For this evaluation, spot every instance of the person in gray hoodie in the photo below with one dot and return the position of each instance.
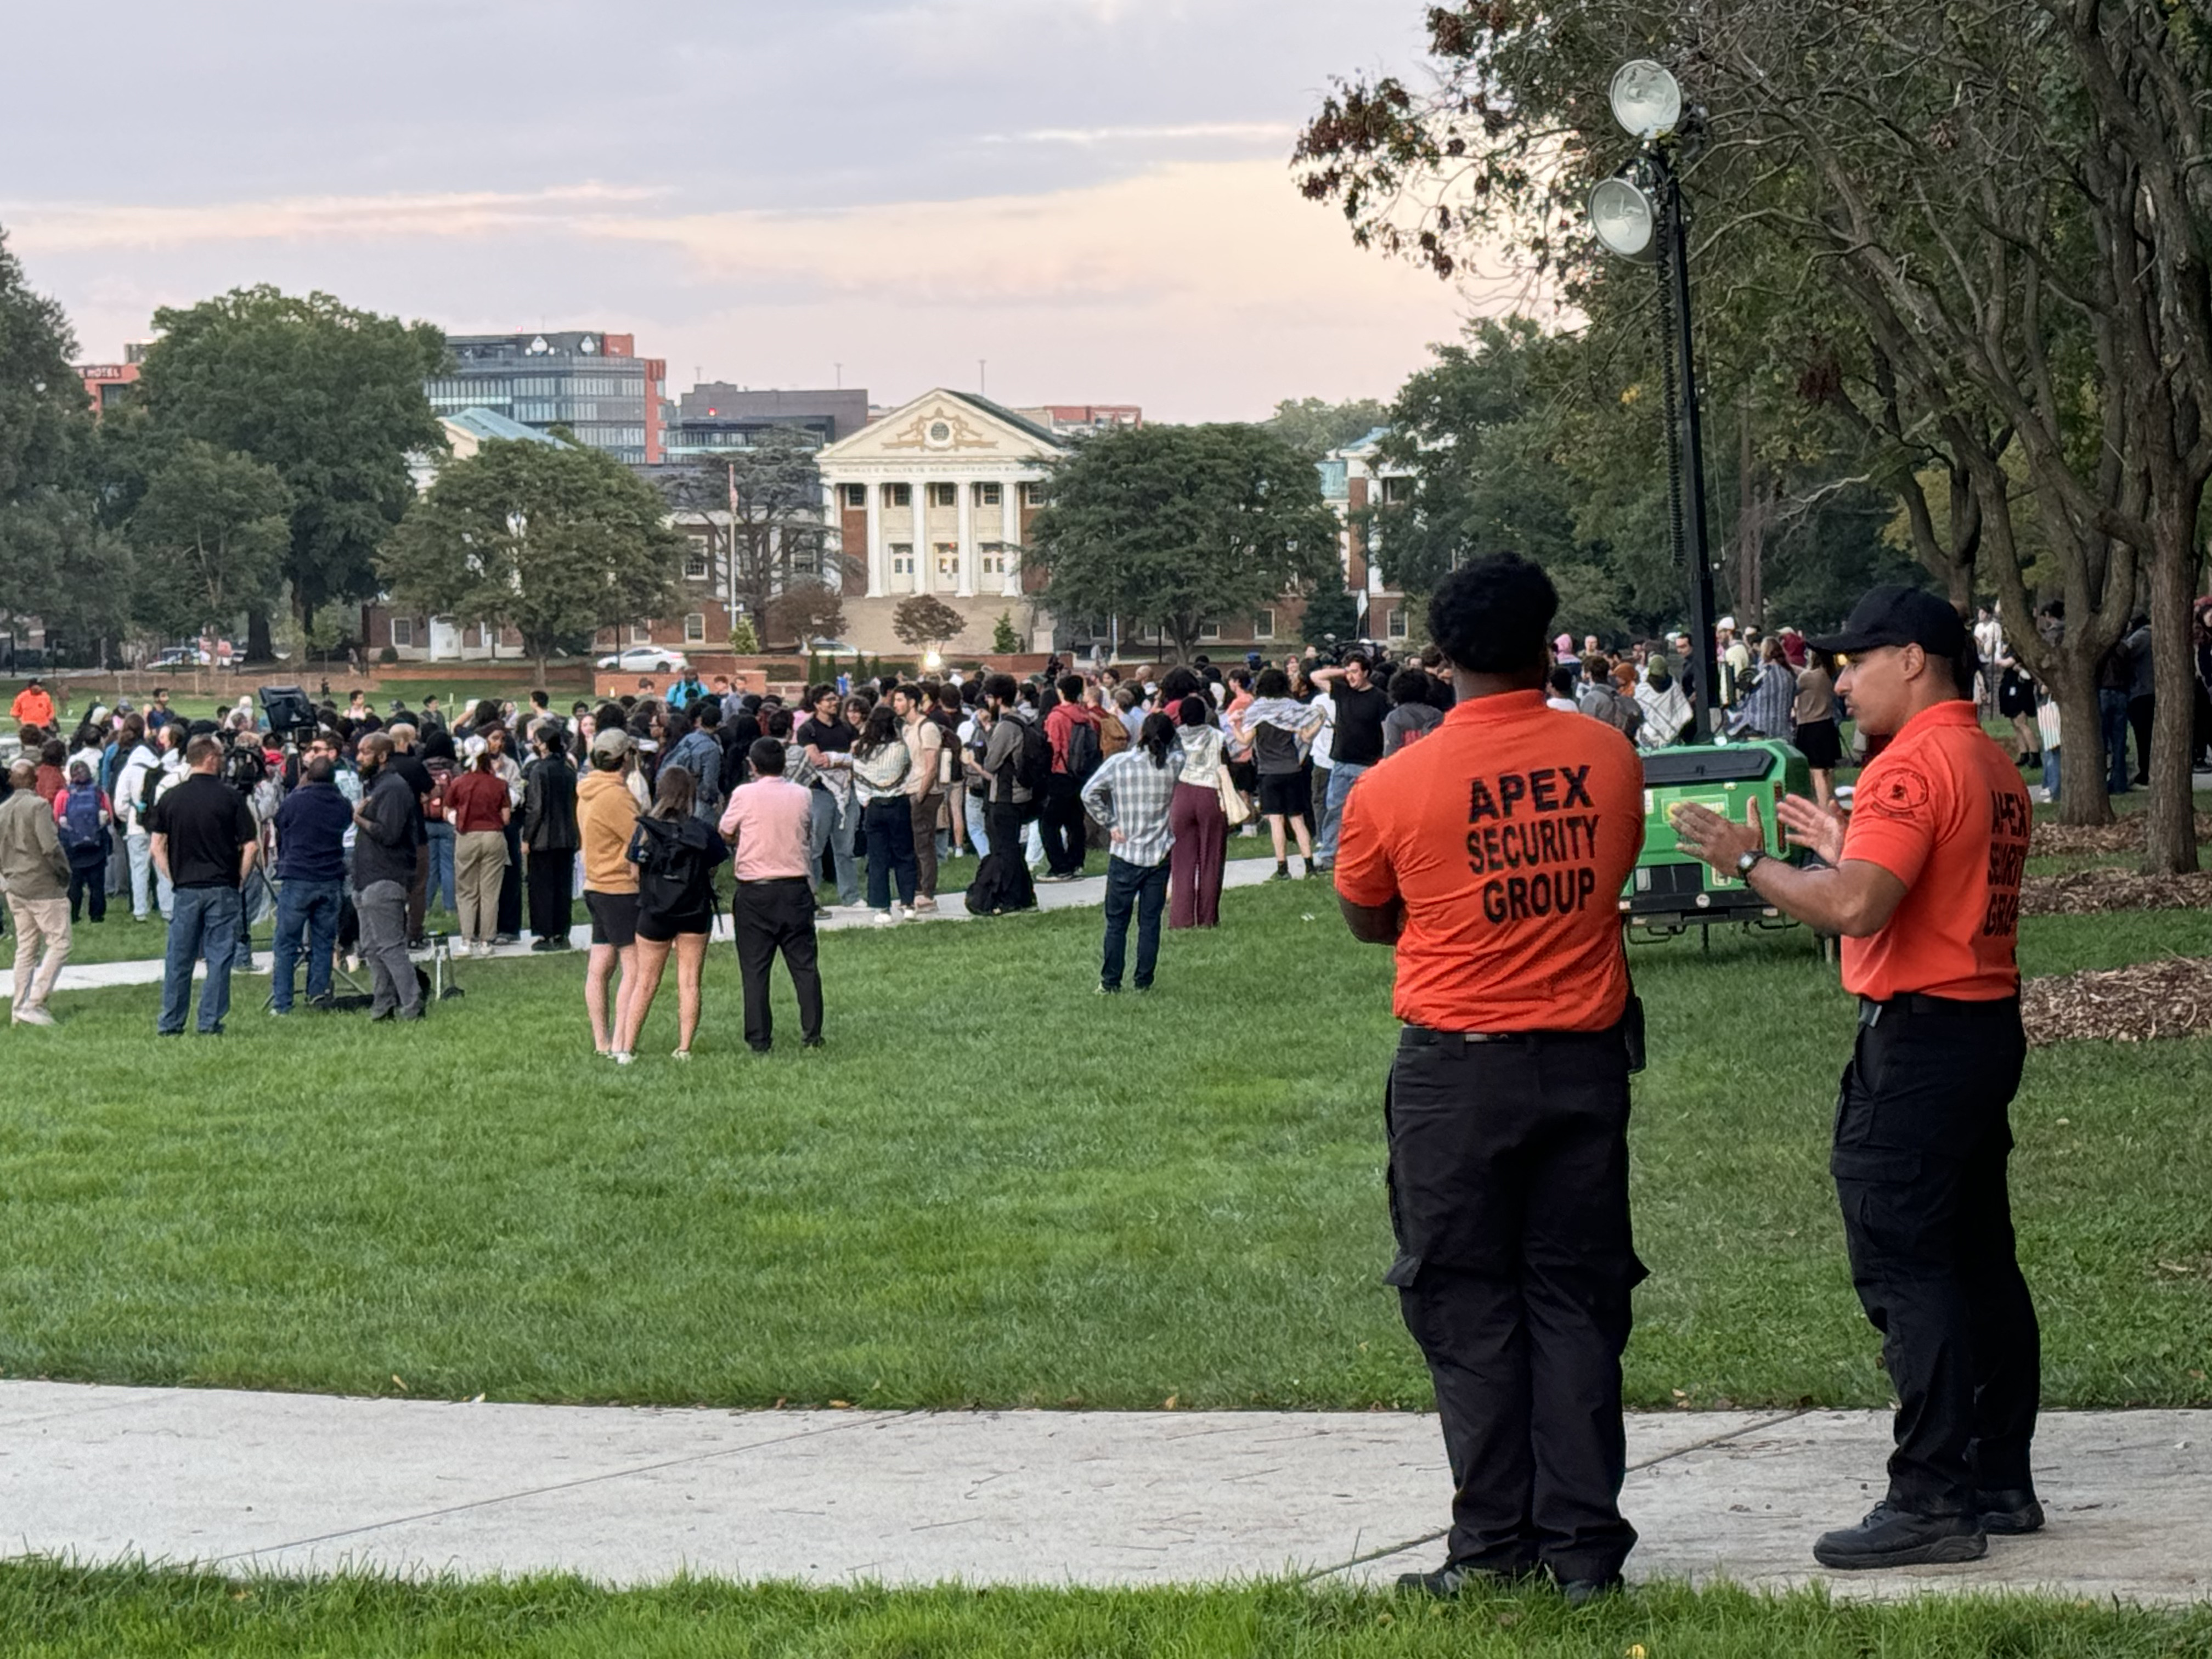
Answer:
(35, 872)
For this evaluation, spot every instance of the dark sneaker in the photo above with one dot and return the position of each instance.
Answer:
(1454, 1577)
(1581, 1592)
(2009, 1513)
(1892, 1537)
(1282, 873)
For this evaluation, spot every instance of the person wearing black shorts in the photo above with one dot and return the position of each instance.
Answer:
(675, 854)
(606, 817)
(1279, 727)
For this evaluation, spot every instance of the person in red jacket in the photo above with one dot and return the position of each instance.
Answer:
(1059, 820)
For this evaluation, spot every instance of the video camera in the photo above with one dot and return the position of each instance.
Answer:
(290, 715)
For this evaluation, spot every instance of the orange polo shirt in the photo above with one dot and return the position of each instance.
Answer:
(1944, 812)
(1507, 831)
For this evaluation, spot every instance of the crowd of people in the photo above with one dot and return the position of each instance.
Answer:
(340, 828)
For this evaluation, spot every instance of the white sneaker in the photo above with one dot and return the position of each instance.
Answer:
(460, 947)
(623, 1057)
(887, 918)
(33, 1015)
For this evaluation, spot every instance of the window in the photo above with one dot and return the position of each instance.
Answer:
(640, 633)
(694, 629)
(697, 564)
(994, 558)
(1263, 624)
(1209, 631)
(1396, 627)
(987, 495)
(901, 558)
(1033, 494)
(403, 631)
(943, 495)
(948, 559)
(855, 494)
(898, 495)
(1396, 491)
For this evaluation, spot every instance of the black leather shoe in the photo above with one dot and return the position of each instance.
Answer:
(1581, 1592)
(1897, 1538)
(1454, 1577)
(2009, 1512)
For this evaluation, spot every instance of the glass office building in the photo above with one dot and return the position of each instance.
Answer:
(593, 383)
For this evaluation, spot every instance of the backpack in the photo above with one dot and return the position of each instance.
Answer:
(1032, 765)
(148, 787)
(667, 867)
(79, 828)
(1085, 756)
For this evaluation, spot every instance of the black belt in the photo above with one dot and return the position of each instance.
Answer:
(1426, 1037)
(1871, 1012)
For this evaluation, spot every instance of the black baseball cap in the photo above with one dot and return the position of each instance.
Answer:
(1894, 615)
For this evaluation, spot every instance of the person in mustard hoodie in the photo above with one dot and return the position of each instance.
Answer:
(606, 817)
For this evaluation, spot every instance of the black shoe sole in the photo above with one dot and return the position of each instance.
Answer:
(1937, 1552)
(2012, 1523)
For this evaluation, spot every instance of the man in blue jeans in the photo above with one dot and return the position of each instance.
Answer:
(2115, 674)
(311, 828)
(205, 840)
(1355, 746)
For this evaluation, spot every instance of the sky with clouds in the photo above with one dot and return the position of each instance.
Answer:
(1093, 194)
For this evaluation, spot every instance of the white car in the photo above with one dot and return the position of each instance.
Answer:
(647, 659)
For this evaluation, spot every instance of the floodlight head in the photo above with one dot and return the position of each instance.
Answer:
(1624, 218)
(1647, 100)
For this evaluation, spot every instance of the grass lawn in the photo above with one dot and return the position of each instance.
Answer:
(55, 1610)
(995, 1187)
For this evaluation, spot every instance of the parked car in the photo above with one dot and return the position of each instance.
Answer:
(647, 659)
(831, 649)
(182, 656)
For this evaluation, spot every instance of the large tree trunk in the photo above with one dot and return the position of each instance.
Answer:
(2170, 847)
(2082, 798)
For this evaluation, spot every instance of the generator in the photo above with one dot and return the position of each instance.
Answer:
(1669, 892)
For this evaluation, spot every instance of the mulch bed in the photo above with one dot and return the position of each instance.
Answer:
(2092, 892)
(2125, 836)
(2136, 1004)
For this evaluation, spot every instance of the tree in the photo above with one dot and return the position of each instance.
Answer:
(1330, 612)
(925, 621)
(1005, 641)
(331, 397)
(554, 542)
(807, 611)
(744, 641)
(1317, 427)
(48, 526)
(1176, 527)
(209, 530)
(761, 505)
(2026, 320)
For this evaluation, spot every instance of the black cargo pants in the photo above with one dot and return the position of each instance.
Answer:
(1508, 1196)
(1922, 1137)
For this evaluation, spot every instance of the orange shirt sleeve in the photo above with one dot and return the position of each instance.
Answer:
(1364, 873)
(1892, 824)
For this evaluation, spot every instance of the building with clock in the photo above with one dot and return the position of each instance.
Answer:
(593, 383)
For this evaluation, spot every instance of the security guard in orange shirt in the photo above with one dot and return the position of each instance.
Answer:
(1491, 856)
(1923, 884)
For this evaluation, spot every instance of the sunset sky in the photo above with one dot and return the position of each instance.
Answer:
(1093, 195)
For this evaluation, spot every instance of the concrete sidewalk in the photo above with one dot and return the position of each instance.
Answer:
(1051, 896)
(302, 1484)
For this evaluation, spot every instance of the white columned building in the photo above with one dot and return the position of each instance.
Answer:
(935, 498)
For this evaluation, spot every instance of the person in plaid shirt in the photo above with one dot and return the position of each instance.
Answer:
(1129, 795)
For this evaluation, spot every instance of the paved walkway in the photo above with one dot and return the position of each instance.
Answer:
(300, 1483)
(1051, 896)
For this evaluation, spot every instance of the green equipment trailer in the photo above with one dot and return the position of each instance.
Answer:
(1669, 892)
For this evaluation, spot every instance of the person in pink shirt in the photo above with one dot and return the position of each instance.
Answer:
(766, 823)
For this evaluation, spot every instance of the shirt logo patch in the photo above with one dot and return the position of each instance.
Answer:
(1900, 795)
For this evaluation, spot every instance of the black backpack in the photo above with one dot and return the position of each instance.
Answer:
(148, 785)
(1033, 760)
(1084, 756)
(668, 867)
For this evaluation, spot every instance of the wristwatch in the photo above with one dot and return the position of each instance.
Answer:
(1750, 861)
